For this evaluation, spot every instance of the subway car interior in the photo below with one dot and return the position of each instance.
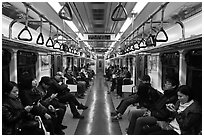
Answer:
(101, 68)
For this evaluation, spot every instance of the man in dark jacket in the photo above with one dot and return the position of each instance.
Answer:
(158, 111)
(64, 96)
(144, 97)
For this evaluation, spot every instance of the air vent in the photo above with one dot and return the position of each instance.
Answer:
(98, 14)
(98, 25)
(98, 17)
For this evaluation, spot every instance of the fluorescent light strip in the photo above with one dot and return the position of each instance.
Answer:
(139, 6)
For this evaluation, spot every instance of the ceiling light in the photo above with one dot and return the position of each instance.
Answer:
(139, 6)
(72, 26)
(127, 23)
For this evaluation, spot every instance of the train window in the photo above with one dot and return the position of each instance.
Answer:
(6, 57)
(26, 63)
(170, 65)
(194, 72)
(142, 62)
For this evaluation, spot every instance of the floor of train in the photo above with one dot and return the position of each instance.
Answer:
(97, 119)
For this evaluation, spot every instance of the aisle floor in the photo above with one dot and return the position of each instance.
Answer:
(97, 119)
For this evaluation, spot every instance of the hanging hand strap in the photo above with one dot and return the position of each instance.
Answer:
(66, 9)
(162, 30)
(118, 7)
(50, 39)
(142, 41)
(40, 36)
(56, 43)
(136, 43)
(150, 41)
(25, 29)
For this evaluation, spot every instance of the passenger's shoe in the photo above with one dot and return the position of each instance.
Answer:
(63, 127)
(78, 117)
(114, 113)
(81, 106)
(80, 96)
(116, 118)
(59, 132)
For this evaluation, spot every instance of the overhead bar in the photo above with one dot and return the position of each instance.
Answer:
(161, 7)
(37, 12)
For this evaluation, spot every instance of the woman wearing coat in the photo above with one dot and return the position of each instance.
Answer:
(186, 115)
(15, 115)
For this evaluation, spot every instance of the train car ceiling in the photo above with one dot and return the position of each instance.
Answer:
(91, 27)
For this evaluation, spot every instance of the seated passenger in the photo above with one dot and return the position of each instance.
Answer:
(155, 112)
(127, 77)
(70, 78)
(16, 119)
(55, 108)
(33, 95)
(143, 96)
(64, 96)
(83, 76)
(81, 85)
(186, 114)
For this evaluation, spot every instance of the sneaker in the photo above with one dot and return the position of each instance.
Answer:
(78, 117)
(63, 127)
(81, 106)
(116, 118)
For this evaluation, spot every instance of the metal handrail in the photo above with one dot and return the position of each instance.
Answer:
(37, 12)
(161, 7)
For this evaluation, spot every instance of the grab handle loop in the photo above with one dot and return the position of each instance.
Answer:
(25, 29)
(118, 7)
(66, 10)
(49, 42)
(56, 43)
(162, 30)
(150, 41)
(40, 36)
(136, 43)
(142, 43)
